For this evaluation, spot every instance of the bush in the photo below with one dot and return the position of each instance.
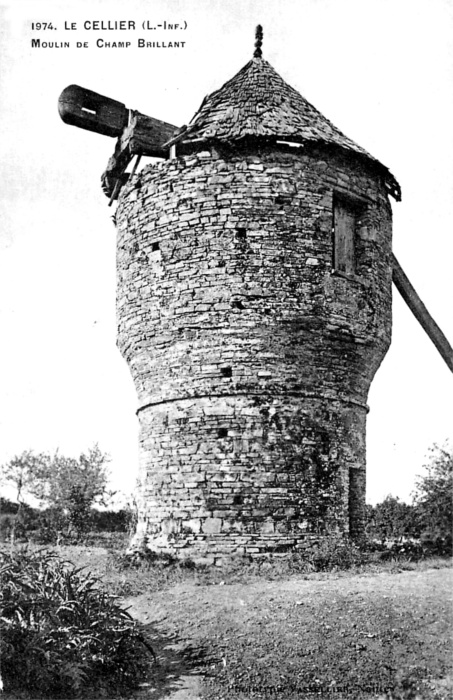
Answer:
(333, 554)
(6, 526)
(20, 520)
(433, 495)
(7, 506)
(110, 520)
(65, 635)
(391, 519)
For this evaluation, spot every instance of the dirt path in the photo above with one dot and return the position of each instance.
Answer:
(285, 639)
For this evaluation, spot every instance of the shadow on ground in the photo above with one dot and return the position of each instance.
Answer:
(179, 666)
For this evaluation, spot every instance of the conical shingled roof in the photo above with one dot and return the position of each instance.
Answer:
(257, 102)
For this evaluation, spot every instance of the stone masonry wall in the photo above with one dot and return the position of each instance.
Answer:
(251, 360)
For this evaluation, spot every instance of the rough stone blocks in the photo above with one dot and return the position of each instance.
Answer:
(251, 354)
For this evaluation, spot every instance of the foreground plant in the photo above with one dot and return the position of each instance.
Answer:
(61, 636)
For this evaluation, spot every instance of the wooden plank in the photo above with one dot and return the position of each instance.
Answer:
(344, 235)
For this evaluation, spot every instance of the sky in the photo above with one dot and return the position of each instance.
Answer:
(380, 70)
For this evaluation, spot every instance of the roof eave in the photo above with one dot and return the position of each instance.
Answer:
(392, 185)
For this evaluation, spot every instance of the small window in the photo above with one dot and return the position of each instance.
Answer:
(347, 216)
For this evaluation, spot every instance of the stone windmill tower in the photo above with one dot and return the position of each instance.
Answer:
(254, 308)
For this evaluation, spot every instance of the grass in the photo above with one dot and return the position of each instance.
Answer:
(126, 577)
(278, 629)
(339, 635)
(346, 635)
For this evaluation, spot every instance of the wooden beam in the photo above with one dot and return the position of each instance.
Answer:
(421, 313)
(147, 135)
(143, 136)
(89, 110)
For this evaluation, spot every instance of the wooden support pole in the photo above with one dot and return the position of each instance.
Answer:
(421, 313)
(116, 189)
(137, 161)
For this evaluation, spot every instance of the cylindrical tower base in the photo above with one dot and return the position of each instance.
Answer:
(239, 475)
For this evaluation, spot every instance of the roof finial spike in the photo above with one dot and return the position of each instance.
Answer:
(258, 41)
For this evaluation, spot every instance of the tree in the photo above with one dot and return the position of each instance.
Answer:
(68, 486)
(72, 486)
(22, 472)
(390, 520)
(433, 496)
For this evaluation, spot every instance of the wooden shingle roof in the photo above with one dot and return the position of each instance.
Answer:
(258, 103)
